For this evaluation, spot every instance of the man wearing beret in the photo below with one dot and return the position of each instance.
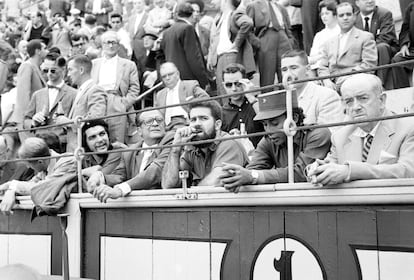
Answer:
(269, 163)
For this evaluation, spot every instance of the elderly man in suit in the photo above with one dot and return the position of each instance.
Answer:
(380, 23)
(139, 170)
(354, 50)
(55, 100)
(90, 100)
(182, 47)
(119, 77)
(29, 80)
(100, 9)
(176, 91)
(272, 27)
(369, 150)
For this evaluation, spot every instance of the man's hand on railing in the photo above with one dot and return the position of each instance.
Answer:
(235, 176)
(329, 173)
(9, 199)
(103, 192)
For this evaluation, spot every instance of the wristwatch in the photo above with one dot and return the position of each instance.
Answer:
(255, 176)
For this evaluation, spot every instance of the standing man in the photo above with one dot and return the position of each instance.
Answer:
(369, 150)
(29, 80)
(90, 101)
(320, 104)
(229, 41)
(100, 9)
(176, 91)
(119, 78)
(54, 100)
(182, 47)
(272, 27)
(380, 23)
(136, 30)
(124, 40)
(205, 161)
(159, 18)
(354, 49)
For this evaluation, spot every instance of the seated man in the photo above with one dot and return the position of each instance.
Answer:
(239, 111)
(354, 49)
(269, 163)
(46, 169)
(380, 23)
(142, 169)
(369, 150)
(176, 91)
(203, 161)
(320, 105)
(95, 138)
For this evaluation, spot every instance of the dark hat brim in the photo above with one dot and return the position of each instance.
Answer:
(265, 115)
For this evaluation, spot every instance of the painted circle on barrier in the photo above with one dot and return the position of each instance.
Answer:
(286, 258)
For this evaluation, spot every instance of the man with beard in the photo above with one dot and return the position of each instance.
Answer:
(269, 163)
(203, 161)
(139, 169)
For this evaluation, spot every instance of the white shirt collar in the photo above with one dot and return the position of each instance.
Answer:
(60, 85)
(369, 16)
(175, 89)
(362, 134)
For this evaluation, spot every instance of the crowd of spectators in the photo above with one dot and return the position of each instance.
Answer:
(65, 59)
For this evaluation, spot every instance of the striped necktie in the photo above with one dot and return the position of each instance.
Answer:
(367, 145)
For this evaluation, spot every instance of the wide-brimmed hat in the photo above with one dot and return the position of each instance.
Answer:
(273, 104)
(152, 34)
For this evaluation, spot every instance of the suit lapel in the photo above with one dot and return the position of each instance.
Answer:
(374, 24)
(381, 141)
(76, 102)
(181, 92)
(95, 70)
(37, 71)
(119, 72)
(353, 148)
(59, 97)
(350, 41)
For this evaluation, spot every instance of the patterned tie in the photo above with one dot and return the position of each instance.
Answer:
(366, 27)
(367, 145)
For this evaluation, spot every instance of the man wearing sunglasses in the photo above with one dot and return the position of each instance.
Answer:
(139, 169)
(54, 100)
(239, 111)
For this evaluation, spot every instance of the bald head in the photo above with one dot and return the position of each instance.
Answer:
(355, 82)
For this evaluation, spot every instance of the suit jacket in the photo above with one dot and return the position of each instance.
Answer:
(59, 6)
(182, 47)
(131, 26)
(391, 154)
(187, 90)
(382, 27)
(29, 80)
(40, 100)
(239, 30)
(128, 169)
(100, 18)
(360, 53)
(204, 37)
(91, 104)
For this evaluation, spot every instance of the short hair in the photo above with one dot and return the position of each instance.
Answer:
(90, 19)
(55, 49)
(116, 15)
(32, 46)
(234, 68)
(110, 33)
(344, 4)
(185, 10)
(52, 140)
(169, 63)
(213, 105)
(199, 3)
(78, 36)
(76, 22)
(297, 53)
(60, 61)
(330, 5)
(5, 50)
(138, 119)
(83, 61)
(235, 3)
(33, 147)
(88, 125)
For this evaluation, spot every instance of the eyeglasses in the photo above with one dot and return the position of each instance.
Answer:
(51, 70)
(230, 84)
(149, 122)
(168, 75)
(113, 43)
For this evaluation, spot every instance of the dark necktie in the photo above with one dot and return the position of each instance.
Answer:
(367, 146)
(275, 21)
(366, 26)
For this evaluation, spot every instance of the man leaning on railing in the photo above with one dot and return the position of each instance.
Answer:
(369, 150)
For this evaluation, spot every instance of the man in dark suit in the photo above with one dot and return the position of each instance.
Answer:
(100, 9)
(272, 26)
(380, 23)
(136, 30)
(139, 170)
(182, 47)
(176, 91)
(54, 100)
(401, 75)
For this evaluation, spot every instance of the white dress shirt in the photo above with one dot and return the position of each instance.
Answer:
(174, 98)
(369, 16)
(343, 39)
(138, 21)
(53, 92)
(225, 45)
(107, 73)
